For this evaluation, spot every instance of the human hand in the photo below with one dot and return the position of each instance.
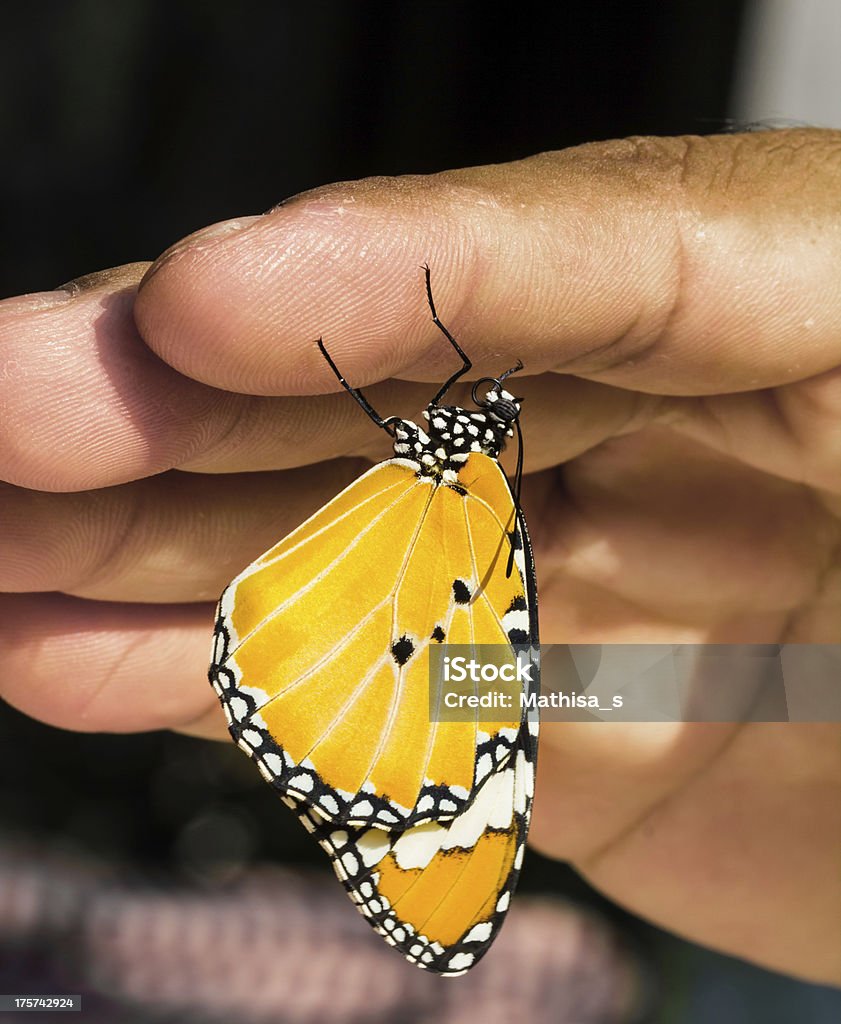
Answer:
(677, 306)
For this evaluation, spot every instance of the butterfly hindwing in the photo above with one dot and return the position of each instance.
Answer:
(440, 892)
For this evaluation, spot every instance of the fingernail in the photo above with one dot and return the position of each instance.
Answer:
(128, 274)
(33, 301)
(212, 231)
(114, 278)
(224, 227)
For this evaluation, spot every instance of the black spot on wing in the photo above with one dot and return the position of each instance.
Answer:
(518, 636)
(438, 634)
(517, 605)
(402, 650)
(461, 592)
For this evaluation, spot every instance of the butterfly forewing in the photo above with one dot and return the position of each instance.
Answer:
(322, 658)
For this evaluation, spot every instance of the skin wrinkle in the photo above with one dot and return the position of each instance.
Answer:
(240, 412)
(119, 544)
(788, 628)
(785, 423)
(124, 531)
(788, 422)
(710, 414)
(285, 421)
(48, 639)
(122, 655)
(676, 302)
(651, 340)
(609, 587)
(595, 525)
(823, 578)
(589, 862)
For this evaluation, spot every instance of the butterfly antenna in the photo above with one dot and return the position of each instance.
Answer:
(357, 394)
(514, 369)
(466, 364)
(515, 490)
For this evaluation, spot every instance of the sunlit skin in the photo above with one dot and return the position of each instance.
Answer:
(677, 306)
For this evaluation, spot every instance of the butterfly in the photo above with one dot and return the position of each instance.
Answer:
(321, 659)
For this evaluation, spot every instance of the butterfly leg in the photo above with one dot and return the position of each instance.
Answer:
(357, 394)
(467, 365)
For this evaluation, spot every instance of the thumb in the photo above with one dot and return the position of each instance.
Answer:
(674, 265)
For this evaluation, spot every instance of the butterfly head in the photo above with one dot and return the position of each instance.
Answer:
(500, 405)
(502, 408)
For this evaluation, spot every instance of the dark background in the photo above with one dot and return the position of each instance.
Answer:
(126, 125)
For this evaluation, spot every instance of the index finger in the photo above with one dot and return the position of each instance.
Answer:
(681, 266)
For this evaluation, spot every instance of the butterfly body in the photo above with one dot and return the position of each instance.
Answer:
(321, 661)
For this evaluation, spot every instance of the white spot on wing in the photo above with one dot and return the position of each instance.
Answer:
(518, 619)
(260, 697)
(238, 708)
(301, 782)
(491, 808)
(273, 763)
(484, 766)
(522, 777)
(350, 863)
(416, 847)
(461, 961)
(479, 933)
(329, 803)
(373, 845)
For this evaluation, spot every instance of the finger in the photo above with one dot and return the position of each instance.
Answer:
(627, 802)
(98, 667)
(687, 266)
(176, 537)
(563, 418)
(613, 774)
(87, 405)
(172, 538)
